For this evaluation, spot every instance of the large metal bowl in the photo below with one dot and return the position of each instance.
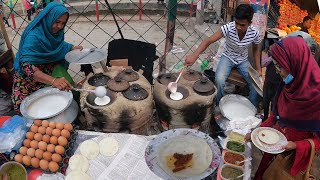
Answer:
(38, 96)
(234, 106)
(67, 116)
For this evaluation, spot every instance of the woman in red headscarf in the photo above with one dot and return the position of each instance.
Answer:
(297, 104)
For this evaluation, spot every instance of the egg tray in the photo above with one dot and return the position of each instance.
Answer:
(63, 164)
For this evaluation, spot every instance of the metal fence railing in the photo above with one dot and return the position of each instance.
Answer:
(91, 25)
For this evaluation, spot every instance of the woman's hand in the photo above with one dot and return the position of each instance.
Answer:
(76, 47)
(62, 84)
(248, 137)
(190, 59)
(290, 146)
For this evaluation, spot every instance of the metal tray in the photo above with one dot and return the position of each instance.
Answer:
(242, 104)
(86, 56)
(44, 92)
(257, 84)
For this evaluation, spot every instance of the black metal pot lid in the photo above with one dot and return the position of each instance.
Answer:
(191, 75)
(129, 75)
(165, 79)
(118, 84)
(135, 93)
(98, 79)
(203, 85)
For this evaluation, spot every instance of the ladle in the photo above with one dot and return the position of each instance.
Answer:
(173, 86)
(100, 91)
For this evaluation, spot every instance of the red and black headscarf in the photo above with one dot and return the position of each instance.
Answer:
(298, 103)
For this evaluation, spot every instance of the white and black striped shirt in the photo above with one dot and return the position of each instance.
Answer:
(234, 49)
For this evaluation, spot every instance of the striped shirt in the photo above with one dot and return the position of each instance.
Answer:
(234, 49)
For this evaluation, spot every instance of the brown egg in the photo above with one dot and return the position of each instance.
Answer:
(56, 132)
(31, 152)
(56, 158)
(68, 127)
(53, 166)
(45, 123)
(65, 133)
(59, 149)
(47, 156)
(35, 162)
(62, 141)
(37, 122)
(42, 130)
(30, 135)
(38, 137)
(34, 128)
(39, 153)
(42, 145)
(49, 131)
(59, 126)
(54, 140)
(46, 138)
(50, 148)
(18, 158)
(23, 150)
(26, 143)
(34, 144)
(52, 125)
(44, 164)
(26, 160)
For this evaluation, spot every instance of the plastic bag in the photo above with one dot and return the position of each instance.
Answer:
(12, 133)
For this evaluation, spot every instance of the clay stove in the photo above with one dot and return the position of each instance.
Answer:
(131, 106)
(194, 110)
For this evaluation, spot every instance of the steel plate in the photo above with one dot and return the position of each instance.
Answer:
(86, 56)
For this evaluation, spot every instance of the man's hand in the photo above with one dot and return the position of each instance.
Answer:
(290, 146)
(247, 138)
(190, 59)
(76, 47)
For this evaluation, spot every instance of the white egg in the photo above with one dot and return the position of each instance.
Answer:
(100, 91)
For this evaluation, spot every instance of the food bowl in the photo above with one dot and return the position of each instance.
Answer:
(235, 147)
(231, 158)
(231, 172)
(14, 171)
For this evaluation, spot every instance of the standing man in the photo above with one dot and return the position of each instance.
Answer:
(306, 24)
(239, 35)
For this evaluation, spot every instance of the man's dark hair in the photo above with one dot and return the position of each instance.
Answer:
(307, 18)
(244, 11)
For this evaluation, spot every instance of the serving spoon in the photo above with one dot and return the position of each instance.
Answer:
(173, 86)
(239, 162)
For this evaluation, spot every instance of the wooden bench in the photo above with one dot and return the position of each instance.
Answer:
(236, 78)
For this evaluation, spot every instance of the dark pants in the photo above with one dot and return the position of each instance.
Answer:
(269, 91)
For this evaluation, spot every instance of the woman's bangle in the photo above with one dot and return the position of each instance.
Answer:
(53, 81)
